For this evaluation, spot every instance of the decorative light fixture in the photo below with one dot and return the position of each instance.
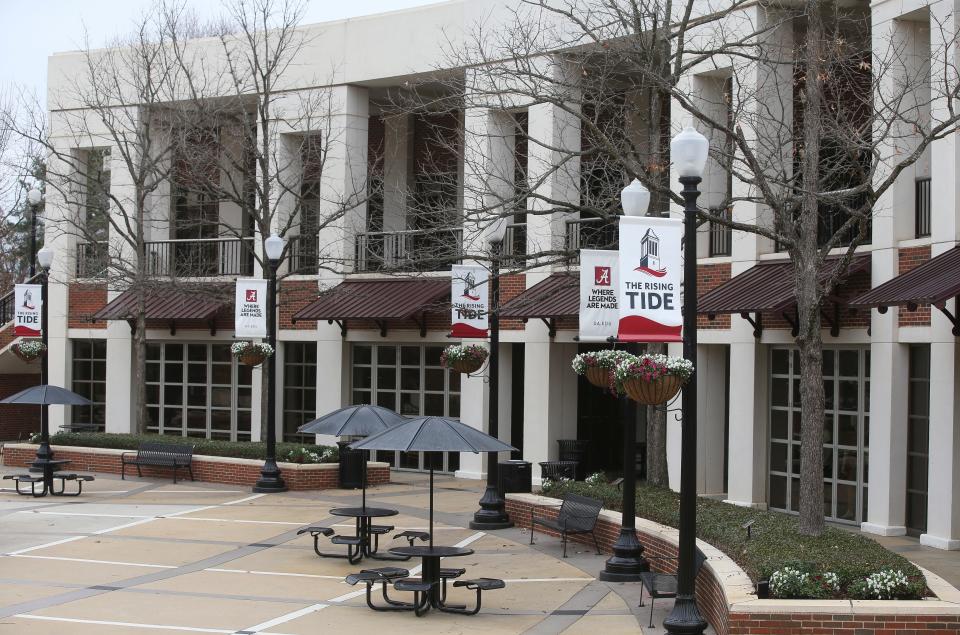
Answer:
(689, 151)
(34, 196)
(635, 199)
(273, 246)
(45, 258)
(497, 230)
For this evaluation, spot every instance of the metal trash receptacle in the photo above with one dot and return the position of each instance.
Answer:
(575, 450)
(351, 466)
(516, 476)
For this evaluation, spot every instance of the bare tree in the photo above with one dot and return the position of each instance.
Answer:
(790, 96)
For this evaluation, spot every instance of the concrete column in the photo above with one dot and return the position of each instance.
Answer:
(712, 402)
(943, 510)
(749, 417)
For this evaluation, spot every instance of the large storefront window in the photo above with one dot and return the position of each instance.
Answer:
(410, 380)
(918, 438)
(90, 381)
(845, 432)
(197, 390)
(299, 389)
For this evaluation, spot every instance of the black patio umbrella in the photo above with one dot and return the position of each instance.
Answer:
(358, 421)
(46, 394)
(433, 434)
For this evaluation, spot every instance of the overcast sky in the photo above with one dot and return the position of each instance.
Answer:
(37, 28)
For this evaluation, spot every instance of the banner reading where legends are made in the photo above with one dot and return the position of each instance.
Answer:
(598, 295)
(468, 301)
(651, 270)
(28, 304)
(250, 313)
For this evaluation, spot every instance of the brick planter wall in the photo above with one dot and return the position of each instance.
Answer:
(725, 594)
(212, 469)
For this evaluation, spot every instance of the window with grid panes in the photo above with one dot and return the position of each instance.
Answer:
(406, 378)
(845, 432)
(90, 381)
(197, 390)
(299, 388)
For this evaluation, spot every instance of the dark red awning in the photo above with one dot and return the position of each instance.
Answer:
(379, 299)
(933, 282)
(167, 305)
(767, 286)
(557, 296)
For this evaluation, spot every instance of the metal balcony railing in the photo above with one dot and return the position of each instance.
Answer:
(304, 254)
(200, 258)
(590, 233)
(408, 250)
(720, 234)
(922, 206)
(92, 259)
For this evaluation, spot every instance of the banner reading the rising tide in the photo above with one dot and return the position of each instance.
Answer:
(598, 295)
(468, 301)
(250, 312)
(28, 304)
(651, 269)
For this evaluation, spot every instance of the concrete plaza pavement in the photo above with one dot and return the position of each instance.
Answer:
(144, 555)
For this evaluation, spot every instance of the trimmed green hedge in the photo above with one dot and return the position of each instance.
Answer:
(207, 447)
(776, 541)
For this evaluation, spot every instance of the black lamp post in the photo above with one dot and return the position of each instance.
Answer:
(627, 562)
(688, 151)
(270, 480)
(45, 258)
(492, 513)
(34, 199)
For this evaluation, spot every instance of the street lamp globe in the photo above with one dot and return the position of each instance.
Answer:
(635, 199)
(689, 151)
(273, 246)
(496, 231)
(45, 258)
(34, 196)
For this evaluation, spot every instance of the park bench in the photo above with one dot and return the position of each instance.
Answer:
(172, 455)
(664, 585)
(578, 515)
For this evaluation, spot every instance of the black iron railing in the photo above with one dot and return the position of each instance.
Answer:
(92, 259)
(922, 205)
(201, 258)
(409, 250)
(304, 254)
(720, 234)
(590, 233)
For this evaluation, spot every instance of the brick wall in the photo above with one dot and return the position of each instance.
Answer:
(709, 277)
(855, 285)
(512, 285)
(205, 468)
(85, 299)
(18, 422)
(292, 297)
(849, 624)
(907, 259)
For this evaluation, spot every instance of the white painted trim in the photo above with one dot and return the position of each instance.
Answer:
(882, 530)
(948, 544)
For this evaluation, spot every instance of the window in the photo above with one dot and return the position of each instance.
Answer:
(918, 438)
(92, 250)
(845, 432)
(409, 380)
(299, 388)
(197, 390)
(90, 381)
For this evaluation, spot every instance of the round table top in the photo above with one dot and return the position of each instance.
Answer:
(426, 551)
(363, 512)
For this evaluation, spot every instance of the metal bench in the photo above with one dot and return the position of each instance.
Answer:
(578, 515)
(664, 585)
(480, 585)
(173, 455)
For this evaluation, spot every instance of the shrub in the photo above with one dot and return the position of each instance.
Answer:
(303, 455)
(776, 540)
(798, 582)
(889, 584)
(206, 447)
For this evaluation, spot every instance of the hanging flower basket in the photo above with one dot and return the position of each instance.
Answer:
(464, 358)
(598, 366)
(250, 353)
(29, 350)
(653, 379)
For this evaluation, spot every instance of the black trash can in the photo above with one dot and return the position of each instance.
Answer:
(575, 450)
(515, 477)
(351, 466)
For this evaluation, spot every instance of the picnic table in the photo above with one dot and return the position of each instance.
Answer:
(430, 574)
(48, 474)
(367, 533)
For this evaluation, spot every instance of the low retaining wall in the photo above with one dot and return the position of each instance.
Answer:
(212, 469)
(726, 597)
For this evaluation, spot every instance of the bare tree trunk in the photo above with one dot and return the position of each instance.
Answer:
(657, 473)
(140, 369)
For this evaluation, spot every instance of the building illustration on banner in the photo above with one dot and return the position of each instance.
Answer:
(469, 287)
(650, 255)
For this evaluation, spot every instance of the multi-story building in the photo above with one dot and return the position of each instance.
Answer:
(373, 331)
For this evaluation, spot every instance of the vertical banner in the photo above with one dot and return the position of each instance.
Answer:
(28, 304)
(598, 295)
(468, 301)
(651, 269)
(250, 308)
